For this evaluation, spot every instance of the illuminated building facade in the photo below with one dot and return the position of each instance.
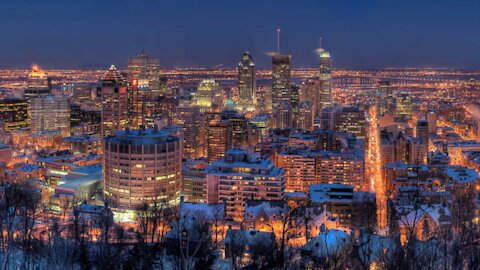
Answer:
(386, 98)
(38, 84)
(421, 131)
(14, 113)
(188, 117)
(242, 176)
(404, 106)
(281, 77)
(299, 170)
(341, 168)
(219, 139)
(283, 115)
(305, 116)
(141, 167)
(51, 113)
(143, 76)
(325, 77)
(344, 119)
(206, 92)
(114, 102)
(247, 83)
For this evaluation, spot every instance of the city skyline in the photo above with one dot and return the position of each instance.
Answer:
(373, 34)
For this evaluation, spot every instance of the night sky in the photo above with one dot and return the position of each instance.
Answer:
(203, 33)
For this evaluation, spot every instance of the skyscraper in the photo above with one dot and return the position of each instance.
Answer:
(325, 76)
(404, 106)
(114, 102)
(188, 117)
(38, 84)
(386, 101)
(281, 76)
(219, 139)
(206, 91)
(50, 113)
(283, 115)
(247, 83)
(143, 76)
(14, 113)
(421, 131)
(305, 116)
(345, 119)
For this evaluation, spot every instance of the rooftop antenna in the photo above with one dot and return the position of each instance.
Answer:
(278, 40)
(320, 42)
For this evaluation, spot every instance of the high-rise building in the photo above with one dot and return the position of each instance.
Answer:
(38, 84)
(310, 91)
(141, 167)
(386, 98)
(188, 117)
(219, 139)
(294, 102)
(404, 106)
(51, 113)
(14, 113)
(432, 122)
(421, 131)
(114, 97)
(239, 124)
(282, 115)
(344, 119)
(242, 176)
(325, 77)
(247, 83)
(305, 116)
(206, 92)
(281, 77)
(144, 79)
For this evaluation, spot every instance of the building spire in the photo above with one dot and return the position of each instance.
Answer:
(278, 40)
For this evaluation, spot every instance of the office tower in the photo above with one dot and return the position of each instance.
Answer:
(188, 117)
(305, 116)
(294, 102)
(247, 83)
(38, 84)
(206, 93)
(281, 76)
(143, 76)
(282, 115)
(299, 169)
(325, 77)
(219, 139)
(14, 113)
(242, 176)
(114, 102)
(344, 119)
(432, 122)
(386, 98)
(51, 113)
(165, 108)
(141, 167)
(262, 122)
(310, 91)
(404, 106)
(238, 122)
(422, 131)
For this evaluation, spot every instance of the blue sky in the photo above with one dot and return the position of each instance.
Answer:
(359, 34)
